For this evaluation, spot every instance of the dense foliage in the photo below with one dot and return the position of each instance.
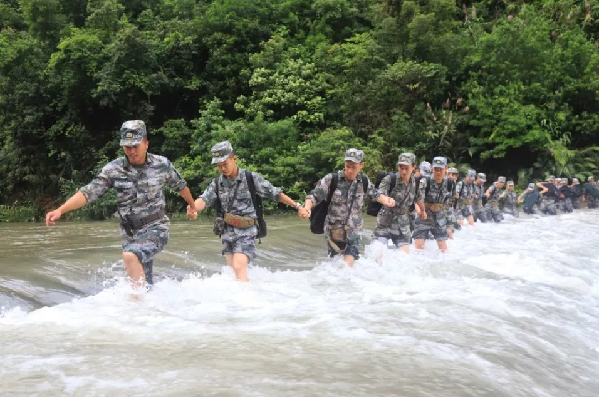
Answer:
(506, 86)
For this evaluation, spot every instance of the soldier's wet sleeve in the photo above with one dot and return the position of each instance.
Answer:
(321, 190)
(384, 186)
(173, 178)
(372, 192)
(266, 189)
(98, 186)
(209, 194)
(523, 196)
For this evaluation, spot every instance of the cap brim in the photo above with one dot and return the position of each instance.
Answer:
(216, 160)
(131, 142)
(438, 166)
(403, 163)
(355, 160)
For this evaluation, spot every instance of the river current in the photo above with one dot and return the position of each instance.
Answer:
(510, 310)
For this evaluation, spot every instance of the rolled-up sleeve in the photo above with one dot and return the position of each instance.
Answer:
(174, 179)
(266, 189)
(98, 186)
(321, 190)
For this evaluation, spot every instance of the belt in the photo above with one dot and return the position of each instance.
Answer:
(467, 202)
(493, 203)
(241, 222)
(434, 207)
(138, 223)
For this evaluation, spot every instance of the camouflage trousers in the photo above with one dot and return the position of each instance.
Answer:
(511, 211)
(242, 241)
(145, 244)
(395, 228)
(565, 205)
(480, 213)
(576, 203)
(547, 206)
(592, 202)
(493, 212)
(464, 211)
(435, 222)
(352, 248)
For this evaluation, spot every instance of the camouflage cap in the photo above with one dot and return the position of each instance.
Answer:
(501, 179)
(439, 162)
(510, 183)
(575, 181)
(355, 155)
(531, 186)
(482, 176)
(471, 173)
(551, 178)
(565, 180)
(132, 132)
(590, 178)
(452, 170)
(406, 159)
(221, 152)
(425, 168)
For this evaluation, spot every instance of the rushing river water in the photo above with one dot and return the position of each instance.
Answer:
(511, 310)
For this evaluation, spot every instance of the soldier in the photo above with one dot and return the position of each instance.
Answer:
(511, 200)
(464, 192)
(238, 221)
(438, 190)
(479, 191)
(592, 201)
(424, 169)
(138, 179)
(493, 195)
(576, 190)
(549, 195)
(452, 222)
(522, 199)
(393, 220)
(567, 193)
(343, 223)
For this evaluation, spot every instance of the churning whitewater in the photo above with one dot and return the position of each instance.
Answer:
(510, 310)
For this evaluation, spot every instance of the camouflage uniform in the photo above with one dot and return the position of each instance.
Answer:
(592, 201)
(510, 204)
(436, 222)
(451, 216)
(548, 200)
(394, 223)
(576, 193)
(139, 194)
(479, 190)
(238, 240)
(465, 200)
(338, 216)
(492, 205)
(529, 190)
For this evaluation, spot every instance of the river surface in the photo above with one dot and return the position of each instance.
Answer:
(511, 310)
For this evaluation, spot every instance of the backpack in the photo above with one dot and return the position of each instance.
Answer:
(320, 211)
(256, 201)
(374, 206)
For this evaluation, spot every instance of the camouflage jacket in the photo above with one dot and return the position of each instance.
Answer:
(404, 194)
(438, 193)
(465, 190)
(339, 207)
(243, 202)
(139, 189)
(495, 194)
(480, 191)
(510, 200)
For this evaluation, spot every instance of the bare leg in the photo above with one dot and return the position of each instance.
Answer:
(419, 243)
(239, 262)
(471, 220)
(134, 269)
(450, 232)
(442, 245)
(349, 259)
(461, 222)
(405, 249)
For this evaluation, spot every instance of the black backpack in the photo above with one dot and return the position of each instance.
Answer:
(256, 201)
(320, 211)
(374, 206)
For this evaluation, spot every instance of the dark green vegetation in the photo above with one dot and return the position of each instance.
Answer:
(506, 86)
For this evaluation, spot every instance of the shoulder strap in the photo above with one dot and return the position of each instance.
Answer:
(219, 206)
(393, 182)
(252, 188)
(428, 186)
(365, 181)
(333, 186)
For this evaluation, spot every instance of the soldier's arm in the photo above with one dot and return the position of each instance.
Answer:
(383, 192)
(208, 197)
(372, 192)
(266, 189)
(489, 191)
(319, 193)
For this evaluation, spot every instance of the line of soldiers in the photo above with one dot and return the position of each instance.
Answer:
(413, 203)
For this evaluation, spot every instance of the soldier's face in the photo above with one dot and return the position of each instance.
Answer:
(137, 154)
(405, 170)
(510, 188)
(454, 177)
(468, 179)
(500, 184)
(352, 169)
(228, 167)
(439, 172)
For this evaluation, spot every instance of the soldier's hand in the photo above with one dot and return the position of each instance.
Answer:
(423, 215)
(192, 213)
(390, 202)
(52, 217)
(303, 213)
